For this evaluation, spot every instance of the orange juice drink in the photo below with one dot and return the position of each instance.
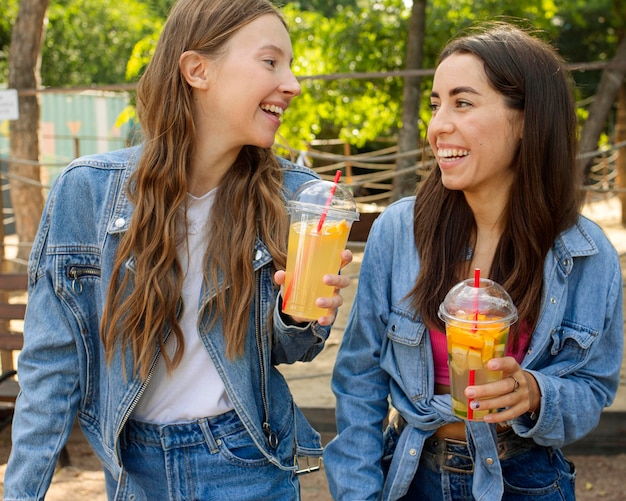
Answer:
(311, 255)
(478, 318)
(321, 215)
(469, 350)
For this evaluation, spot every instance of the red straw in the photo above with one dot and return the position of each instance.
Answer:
(477, 286)
(472, 373)
(329, 201)
(472, 380)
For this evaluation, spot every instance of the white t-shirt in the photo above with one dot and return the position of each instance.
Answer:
(194, 389)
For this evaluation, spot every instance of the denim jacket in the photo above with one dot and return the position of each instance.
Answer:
(62, 369)
(575, 354)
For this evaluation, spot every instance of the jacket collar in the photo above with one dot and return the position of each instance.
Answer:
(573, 242)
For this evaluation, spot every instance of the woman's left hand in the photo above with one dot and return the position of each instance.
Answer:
(333, 302)
(516, 393)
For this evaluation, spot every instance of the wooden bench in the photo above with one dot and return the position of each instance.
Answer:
(13, 296)
(13, 290)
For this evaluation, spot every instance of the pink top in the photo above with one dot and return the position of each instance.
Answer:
(440, 353)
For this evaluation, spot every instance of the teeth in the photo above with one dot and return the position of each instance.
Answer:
(449, 152)
(272, 109)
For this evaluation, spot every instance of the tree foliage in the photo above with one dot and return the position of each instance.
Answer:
(357, 40)
(107, 42)
(324, 7)
(90, 41)
(9, 12)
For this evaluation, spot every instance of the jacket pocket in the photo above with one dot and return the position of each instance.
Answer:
(405, 359)
(570, 347)
(404, 330)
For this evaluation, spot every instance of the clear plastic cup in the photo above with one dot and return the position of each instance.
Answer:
(321, 216)
(477, 328)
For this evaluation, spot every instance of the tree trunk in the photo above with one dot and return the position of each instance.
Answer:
(610, 83)
(620, 136)
(24, 64)
(408, 137)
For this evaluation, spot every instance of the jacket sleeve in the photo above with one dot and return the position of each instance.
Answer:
(48, 371)
(578, 373)
(361, 387)
(298, 342)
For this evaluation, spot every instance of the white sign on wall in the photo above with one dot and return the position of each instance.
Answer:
(9, 108)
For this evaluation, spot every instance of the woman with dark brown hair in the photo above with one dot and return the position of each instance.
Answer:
(154, 312)
(505, 198)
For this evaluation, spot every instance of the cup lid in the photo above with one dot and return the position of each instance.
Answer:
(490, 301)
(313, 196)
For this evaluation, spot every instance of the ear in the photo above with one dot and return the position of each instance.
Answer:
(195, 69)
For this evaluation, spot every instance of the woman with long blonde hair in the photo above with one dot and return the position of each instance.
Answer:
(155, 282)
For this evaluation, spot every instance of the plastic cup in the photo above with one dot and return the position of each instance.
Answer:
(321, 216)
(477, 328)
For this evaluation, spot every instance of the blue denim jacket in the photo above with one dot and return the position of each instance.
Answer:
(62, 369)
(575, 354)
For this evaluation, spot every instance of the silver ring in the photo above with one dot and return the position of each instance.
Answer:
(516, 386)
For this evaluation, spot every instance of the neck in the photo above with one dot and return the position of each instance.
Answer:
(207, 171)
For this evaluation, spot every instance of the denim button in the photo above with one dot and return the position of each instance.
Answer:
(489, 461)
(413, 452)
(119, 222)
(258, 255)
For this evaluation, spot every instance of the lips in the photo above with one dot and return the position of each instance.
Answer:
(273, 109)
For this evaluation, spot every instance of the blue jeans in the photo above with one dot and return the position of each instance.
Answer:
(208, 459)
(538, 474)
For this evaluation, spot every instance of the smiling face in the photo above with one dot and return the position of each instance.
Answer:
(473, 134)
(248, 88)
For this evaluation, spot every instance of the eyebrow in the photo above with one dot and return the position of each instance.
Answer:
(275, 48)
(457, 90)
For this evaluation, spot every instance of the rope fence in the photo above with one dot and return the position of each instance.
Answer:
(368, 175)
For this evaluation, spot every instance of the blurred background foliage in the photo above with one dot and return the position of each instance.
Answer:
(96, 42)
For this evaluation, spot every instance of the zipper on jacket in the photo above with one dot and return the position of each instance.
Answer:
(135, 399)
(76, 272)
(271, 436)
(144, 385)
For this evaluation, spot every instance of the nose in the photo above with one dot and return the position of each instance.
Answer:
(290, 85)
(440, 123)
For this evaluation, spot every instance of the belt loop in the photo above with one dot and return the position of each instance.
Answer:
(213, 443)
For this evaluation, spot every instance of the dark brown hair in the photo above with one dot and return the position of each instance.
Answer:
(546, 194)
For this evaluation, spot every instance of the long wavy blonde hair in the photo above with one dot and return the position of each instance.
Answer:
(142, 306)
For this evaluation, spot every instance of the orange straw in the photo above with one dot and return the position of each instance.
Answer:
(329, 200)
(472, 373)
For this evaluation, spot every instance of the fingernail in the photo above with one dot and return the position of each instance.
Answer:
(470, 393)
(475, 405)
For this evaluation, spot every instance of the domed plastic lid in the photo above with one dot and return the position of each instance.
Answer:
(483, 305)
(316, 196)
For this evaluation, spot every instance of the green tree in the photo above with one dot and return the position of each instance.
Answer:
(9, 12)
(90, 41)
(24, 53)
(357, 40)
(324, 7)
(160, 8)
